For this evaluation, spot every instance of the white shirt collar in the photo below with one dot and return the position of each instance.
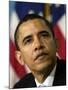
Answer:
(49, 80)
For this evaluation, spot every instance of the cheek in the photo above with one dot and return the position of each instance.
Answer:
(51, 46)
(28, 59)
(28, 54)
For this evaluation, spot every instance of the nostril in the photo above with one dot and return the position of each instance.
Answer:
(35, 49)
(40, 47)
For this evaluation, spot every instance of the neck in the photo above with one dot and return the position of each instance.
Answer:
(41, 76)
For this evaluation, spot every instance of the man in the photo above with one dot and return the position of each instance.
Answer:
(37, 47)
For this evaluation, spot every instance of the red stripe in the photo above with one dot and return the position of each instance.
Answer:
(61, 41)
(20, 70)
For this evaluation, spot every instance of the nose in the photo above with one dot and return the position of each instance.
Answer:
(38, 44)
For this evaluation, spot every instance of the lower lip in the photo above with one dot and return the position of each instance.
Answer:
(42, 57)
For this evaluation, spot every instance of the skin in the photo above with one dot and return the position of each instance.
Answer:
(37, 48)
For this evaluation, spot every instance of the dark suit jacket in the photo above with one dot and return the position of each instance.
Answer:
(59, 80)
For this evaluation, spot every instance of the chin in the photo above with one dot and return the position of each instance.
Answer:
(43, 67)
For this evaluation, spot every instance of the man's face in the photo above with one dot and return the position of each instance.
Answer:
(37, 45)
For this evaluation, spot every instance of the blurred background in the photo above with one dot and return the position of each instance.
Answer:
(54, 13)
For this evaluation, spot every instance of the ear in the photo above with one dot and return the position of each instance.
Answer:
(19, 57)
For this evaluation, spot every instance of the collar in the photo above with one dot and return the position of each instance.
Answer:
(49, 80)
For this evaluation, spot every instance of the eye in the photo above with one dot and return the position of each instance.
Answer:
(44, 34)
(27, 40)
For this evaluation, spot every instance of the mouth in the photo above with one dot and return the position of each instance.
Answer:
(41, 56)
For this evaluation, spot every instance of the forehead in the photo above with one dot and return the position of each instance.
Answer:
(34, 25)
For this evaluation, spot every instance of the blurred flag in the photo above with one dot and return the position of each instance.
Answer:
(54, 13)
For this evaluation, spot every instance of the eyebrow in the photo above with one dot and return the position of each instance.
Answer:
(44, 31)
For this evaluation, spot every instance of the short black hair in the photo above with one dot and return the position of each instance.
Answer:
(31, 17)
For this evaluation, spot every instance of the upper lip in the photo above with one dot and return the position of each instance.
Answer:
(40, 54)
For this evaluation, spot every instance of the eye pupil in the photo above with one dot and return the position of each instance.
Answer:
(44, 34)
(28, 41)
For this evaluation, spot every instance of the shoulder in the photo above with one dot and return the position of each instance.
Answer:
(25, 81)
(60, 75)
(61, 64)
